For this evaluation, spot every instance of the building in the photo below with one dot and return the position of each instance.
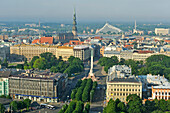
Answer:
(44, 40)
(64, 52)
(4, 52)
(134, 55)
(64, 36)
(4, 83)
(161, 92)
(20, 52)
(118, 71)
(41, 86)
(108, 28)
(82, 52)
(162, 31)
(122, 87)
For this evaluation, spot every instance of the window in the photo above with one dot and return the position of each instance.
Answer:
(126, 89)
(117, 89)
(129, 89)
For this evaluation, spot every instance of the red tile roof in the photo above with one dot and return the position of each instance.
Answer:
(48, 40)
(127, 46)
(35, 41)
(145, 51)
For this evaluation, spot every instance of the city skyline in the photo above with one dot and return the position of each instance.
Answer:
(87, 11)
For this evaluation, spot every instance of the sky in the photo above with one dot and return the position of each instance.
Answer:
(86, 10)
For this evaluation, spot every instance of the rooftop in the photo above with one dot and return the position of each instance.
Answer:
(133, 80)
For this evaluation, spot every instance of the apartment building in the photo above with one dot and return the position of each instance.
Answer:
(41, 86)
(122, 87)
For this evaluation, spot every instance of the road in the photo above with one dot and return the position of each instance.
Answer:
(98, 100)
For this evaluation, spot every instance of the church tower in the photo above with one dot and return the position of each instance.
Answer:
(74, 28)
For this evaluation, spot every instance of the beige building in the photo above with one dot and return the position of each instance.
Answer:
(122, 87)
(29, 51)
(65, 52)
(162, 31)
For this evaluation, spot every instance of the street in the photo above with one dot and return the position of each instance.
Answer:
(98, 100)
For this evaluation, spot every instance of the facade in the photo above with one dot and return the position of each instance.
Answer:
(4, 52)
(161, 92)
(64, 52)
(4, 83)
(82, 52)
(29, 51)
(162, 31)
(122, 87)
(64, 36)
(138, 56)
(44, 87)
(4, 89)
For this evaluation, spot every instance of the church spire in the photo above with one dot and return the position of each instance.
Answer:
(74, 28)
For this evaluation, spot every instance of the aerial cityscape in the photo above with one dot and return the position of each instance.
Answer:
(84, 56)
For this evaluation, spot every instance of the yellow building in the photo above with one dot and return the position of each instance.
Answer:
(29, 51)
(65, 52)
(122, 87)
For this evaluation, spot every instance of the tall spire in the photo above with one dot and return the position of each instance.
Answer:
(74, 28)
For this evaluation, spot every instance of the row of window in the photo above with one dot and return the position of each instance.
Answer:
(121, 94)
(125, 89)
(163, 93)
(123, 85)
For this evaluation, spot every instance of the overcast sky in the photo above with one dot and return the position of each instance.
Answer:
(87, 10)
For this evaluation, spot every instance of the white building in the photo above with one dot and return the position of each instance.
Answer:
(162, 31)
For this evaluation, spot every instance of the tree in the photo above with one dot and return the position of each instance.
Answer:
(121, 106)
(27, 102)
(14, 105)
(79, 107)
(73, 94)
(2, 108)
(91, 95)
(163, 105)
(87, 108)
(40, 63)
(122, 61)
(33, 60)
(168, 104)
(134, 104)
(8, 97)
(20, 66)
(70, 59)
(25, 62)
(5, 63)
(150, 105)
